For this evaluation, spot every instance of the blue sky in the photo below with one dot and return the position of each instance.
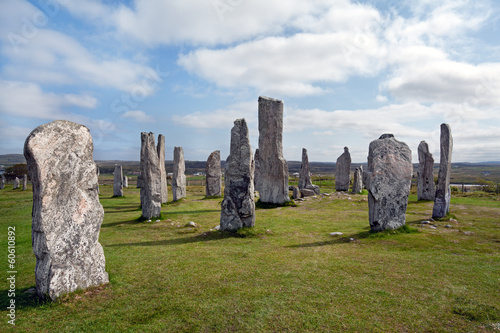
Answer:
(347, 71)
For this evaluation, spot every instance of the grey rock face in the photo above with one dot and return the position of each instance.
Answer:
(97, 172)
(443, 192)
(25, 182)
(125, 181)
(118, 181)
(343, 171)
(139, 181)
(163, 172)
(388, 180)
(257, 170)
(238, 206)
(426, 189)
(213, 175)
(67, 215)
(178, 177)
(357, 183)
(305, 175)
(296, 193)
(150, 177)
(16, 183)
(273, 169)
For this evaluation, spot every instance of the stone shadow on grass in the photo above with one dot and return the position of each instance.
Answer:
(205, 237)
(23, 300)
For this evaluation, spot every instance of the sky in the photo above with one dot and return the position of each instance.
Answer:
(347, 71)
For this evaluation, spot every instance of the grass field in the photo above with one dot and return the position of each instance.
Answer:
(286, 275)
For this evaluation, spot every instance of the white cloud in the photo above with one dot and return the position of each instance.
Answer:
(48, 56)
(139, 116)
(221, 118)
(25, 99)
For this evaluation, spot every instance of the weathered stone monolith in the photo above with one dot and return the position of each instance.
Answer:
(343, 171)
(426, 189)
(257, 170)
(273, 169)
(67, 215)
(305, 175)
(25, 182)
(150, 177)
(2, 182)
(125, 181)
(178, 177)
(118, 181)
(213, 175)
(296, 193)
(443, 191)
(163, 172)
(388, 181)
(357, 183)
(139, 181)
(238, 206)
(97, 172)
(16, 183)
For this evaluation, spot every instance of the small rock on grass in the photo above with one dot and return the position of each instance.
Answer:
(337, 233)
(425, 222)
(193, 224)
(447, 226)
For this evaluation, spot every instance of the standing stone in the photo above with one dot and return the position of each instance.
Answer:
(67, 215)
(213, 175)
(388, 181)
(238, 206)
(426, 190)
(125, 181)
(257, 170)
(273, 169)
(296, 193)
(443, 191)
(357, 184)
(163, 173)
(178, 177)
(118, 181)
(25, 182)
(2, 182)
(139, 181)
(343, 171)
(97, 172)
(150, 177)
(16, 183)
(305, 175)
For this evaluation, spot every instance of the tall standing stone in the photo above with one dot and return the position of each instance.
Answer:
(16, 183)
(257, 170)
(426, 189)
(67, 215)
(2, 182)
(273, 169)
(443, 191)
(150, 177)
(25, 182)
(388, 180)
(118, 181)
(238, 206)
(213, 175)
(178, 176)
(357, 183)
(125, 181)
(163, 172)
(343, 171)
(97, 172)
(305, 175)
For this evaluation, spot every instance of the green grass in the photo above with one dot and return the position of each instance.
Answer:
(285, 275)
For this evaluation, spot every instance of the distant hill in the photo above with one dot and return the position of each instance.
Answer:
(11, 159)
(461, 171)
